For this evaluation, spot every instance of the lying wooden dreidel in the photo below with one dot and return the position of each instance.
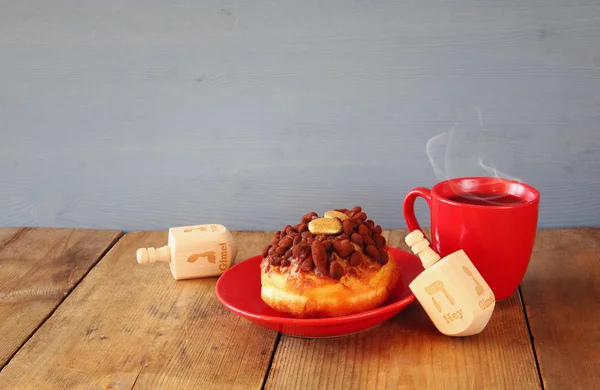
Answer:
(451, 290)
(194, 251)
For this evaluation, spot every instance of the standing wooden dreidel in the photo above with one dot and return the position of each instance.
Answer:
(451, 290)
(194, 251)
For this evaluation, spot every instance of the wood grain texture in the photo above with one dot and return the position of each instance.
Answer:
(250, 113)
(562, 296)
(7, 235)
(38, 268)
(132, 326)
(407, 352)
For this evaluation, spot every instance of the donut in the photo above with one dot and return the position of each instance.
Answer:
(329, 266)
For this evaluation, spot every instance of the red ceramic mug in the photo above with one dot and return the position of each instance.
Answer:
(493, 220)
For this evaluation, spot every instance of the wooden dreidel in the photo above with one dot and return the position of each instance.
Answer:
(194, 251)
(451, 290)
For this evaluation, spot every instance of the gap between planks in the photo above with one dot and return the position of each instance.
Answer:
(535, 355)
(51, 313)
(268, 371)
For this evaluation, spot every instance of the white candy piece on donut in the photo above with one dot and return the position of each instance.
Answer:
(336, 214)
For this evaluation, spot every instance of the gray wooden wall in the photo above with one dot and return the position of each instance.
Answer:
(150, 114)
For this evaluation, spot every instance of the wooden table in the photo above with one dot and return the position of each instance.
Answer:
(78, 312)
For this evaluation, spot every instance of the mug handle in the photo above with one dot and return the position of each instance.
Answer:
(409, 207)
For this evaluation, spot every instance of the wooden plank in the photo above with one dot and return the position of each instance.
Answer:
(39, 267)
(407, 352)
(7, 235)
(562, 295)
(133, 326)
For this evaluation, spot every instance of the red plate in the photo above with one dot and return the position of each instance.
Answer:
(238, 289)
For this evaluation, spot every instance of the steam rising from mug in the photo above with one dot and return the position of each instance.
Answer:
(464, 151)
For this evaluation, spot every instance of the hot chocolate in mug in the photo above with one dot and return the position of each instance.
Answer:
(493, 220)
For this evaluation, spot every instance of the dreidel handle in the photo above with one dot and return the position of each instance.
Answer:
(152, 255)
(420, 247)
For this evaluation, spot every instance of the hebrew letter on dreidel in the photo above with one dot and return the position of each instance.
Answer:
(435, 288)
(209, 255)
(478, 288)
(201, 228)
(467, 313)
